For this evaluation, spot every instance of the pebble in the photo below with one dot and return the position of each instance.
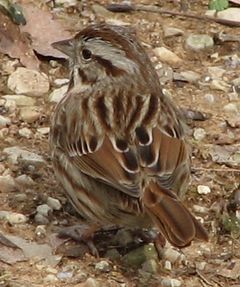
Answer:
(232, 14)
(20, 197)
(150, 266)
(28, 82)
(66, 3)
(199, 42)
(201, 265)
(41, 231)
(58, 94)
(17, 155)
(168, 265)
(216, 72)
(103, 266)
(10, 106)
(90, 282)
(65, 275)
(44, 210)
(40, 219)
(29, 114)
(170, 282)
(190, 76)
(54, 203)
(209, 98)
(44, 131)
(172, 31)
(25, 133)
(203, 189)
(24, 180)
(7, 183)
(199, 134)
(231, 108)
(16, 218)
(200, 209)
(167, 56)
(4, 121)
(233, 96)
(50, 278)
(172, 255)
(20, 100)
(219, 85)
(61, 82)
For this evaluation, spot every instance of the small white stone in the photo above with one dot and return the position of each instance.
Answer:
(54, 203)
(58, 94)
(29, 114)
(233, 96)
(91, 282)
(7, 183)
(203, 189)
(201, 265)
(4, 121)
(24, 180)
(172, 255)
(25, 133)
(216, 72)
(199, 42)
(199, 134)
(170, 282)
(16, 218)
(200, 209)
(219, 85)
(44, 210)
(172, 31)
(61, 82)
(231, 108)
(41, 232)
(168, 265)
(44, 131)
(232, 14)
(10, 105)
(28, 82)
(167, 56)
(209, 98)
(16, 155)
(103, 266)
(50, 278)
(20, 100)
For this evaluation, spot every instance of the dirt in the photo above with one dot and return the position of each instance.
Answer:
(221, 253)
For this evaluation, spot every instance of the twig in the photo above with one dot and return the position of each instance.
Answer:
(154, 9)
(204, 279)
(216, 169)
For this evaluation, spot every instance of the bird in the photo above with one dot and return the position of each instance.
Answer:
(117, 142)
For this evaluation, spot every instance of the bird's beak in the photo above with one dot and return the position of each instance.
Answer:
(65, 46)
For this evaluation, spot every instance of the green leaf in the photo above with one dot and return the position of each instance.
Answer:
(218, 5)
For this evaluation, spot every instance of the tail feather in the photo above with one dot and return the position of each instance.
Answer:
(174, 220)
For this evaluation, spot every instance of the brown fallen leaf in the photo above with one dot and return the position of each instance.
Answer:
(43, 30)
(16, 44)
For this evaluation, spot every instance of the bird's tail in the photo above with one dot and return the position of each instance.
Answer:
(174, 220)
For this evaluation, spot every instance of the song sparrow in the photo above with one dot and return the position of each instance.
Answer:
(117, 141)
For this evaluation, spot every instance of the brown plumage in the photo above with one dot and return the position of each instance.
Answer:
(117, 141)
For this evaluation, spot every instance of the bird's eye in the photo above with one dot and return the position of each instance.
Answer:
(87, 54)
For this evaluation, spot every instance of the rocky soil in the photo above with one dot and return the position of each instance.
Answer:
(200, 71)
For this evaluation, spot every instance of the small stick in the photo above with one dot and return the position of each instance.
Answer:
(154, 9)
(216, 169)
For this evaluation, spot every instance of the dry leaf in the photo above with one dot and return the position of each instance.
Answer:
(44, 30)
(15, 44)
